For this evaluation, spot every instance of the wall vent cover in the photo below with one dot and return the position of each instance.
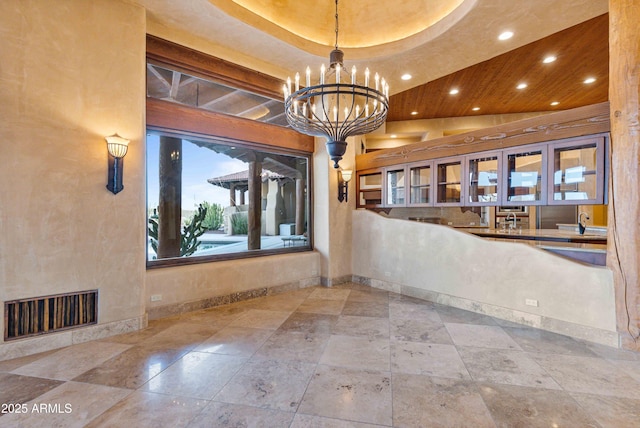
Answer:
(48, 314)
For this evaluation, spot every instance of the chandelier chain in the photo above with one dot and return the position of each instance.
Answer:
(336, 24)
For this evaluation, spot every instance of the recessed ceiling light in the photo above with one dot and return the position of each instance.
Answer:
(475, 108)
(506, 35)
(521, 86)
(454, 91)
(393, 135)
(555, 103)
(590, 80)
(549, 59)
(406, 76)
(413, 113)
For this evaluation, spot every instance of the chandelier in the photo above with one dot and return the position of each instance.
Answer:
(334, 108)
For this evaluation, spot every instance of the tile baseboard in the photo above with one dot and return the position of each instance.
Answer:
(590, 334)
(210, 302)
(34, 345)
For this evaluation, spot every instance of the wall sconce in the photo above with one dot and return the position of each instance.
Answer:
(117, 148)
(344, 176)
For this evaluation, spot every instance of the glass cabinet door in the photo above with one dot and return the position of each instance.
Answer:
(395, 187)
(577, 172)
(369, 188)
(525, 178)
(449, 181)
(420, 184)
(483, 172)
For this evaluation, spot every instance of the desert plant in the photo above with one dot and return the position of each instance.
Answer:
(239, 223)
(191, 231)
(214, 218)
(153, 230)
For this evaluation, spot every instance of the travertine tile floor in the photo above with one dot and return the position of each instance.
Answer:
(347, 356)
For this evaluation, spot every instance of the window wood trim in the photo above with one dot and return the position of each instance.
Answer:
(198, 64)
(175, 118)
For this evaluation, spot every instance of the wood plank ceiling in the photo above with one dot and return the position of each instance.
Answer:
(582, 51)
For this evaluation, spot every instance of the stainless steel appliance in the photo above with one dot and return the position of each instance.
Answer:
(548, 217)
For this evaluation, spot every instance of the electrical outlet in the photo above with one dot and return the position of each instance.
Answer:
(387, 274)
(156, 297)
(314, 272)
(530, 302)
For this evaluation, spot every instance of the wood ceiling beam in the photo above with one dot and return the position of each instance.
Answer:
(175, 85)
(198, 64)
(159, 76)
(218, 100)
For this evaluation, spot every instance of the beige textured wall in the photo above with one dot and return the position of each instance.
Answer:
(203, 281)
(71, 72)
(502, 275)
(332, 219)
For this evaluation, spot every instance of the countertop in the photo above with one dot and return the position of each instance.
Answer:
(537, 235)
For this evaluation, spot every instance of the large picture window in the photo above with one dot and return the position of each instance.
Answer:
(211, 199)
(225, 177)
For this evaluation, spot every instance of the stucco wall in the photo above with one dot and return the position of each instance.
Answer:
(332, 218)
(193, 283)
(71, 73)
(462, 270)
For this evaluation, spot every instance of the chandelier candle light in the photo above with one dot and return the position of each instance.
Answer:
(338, 106)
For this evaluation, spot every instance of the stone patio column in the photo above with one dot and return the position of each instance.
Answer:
(232, 195)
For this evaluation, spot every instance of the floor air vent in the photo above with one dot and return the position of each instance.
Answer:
(40, 315)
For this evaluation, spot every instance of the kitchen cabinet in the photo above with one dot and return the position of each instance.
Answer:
(395, 186)
(525, 178)
(420, 188)
(449, 181)
(484, 171)
(576, 172)
(369, 188)
(563, 172)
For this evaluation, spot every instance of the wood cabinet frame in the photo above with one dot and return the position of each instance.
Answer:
(372, 190)
(542, 148)
(436, 183)
(466, 170)
(409, 189)
(600, 142)
(385, 186)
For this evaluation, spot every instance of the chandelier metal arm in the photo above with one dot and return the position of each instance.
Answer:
(336, 110)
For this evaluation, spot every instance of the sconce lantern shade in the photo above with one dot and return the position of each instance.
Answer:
(343, 184)
(117, 148)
